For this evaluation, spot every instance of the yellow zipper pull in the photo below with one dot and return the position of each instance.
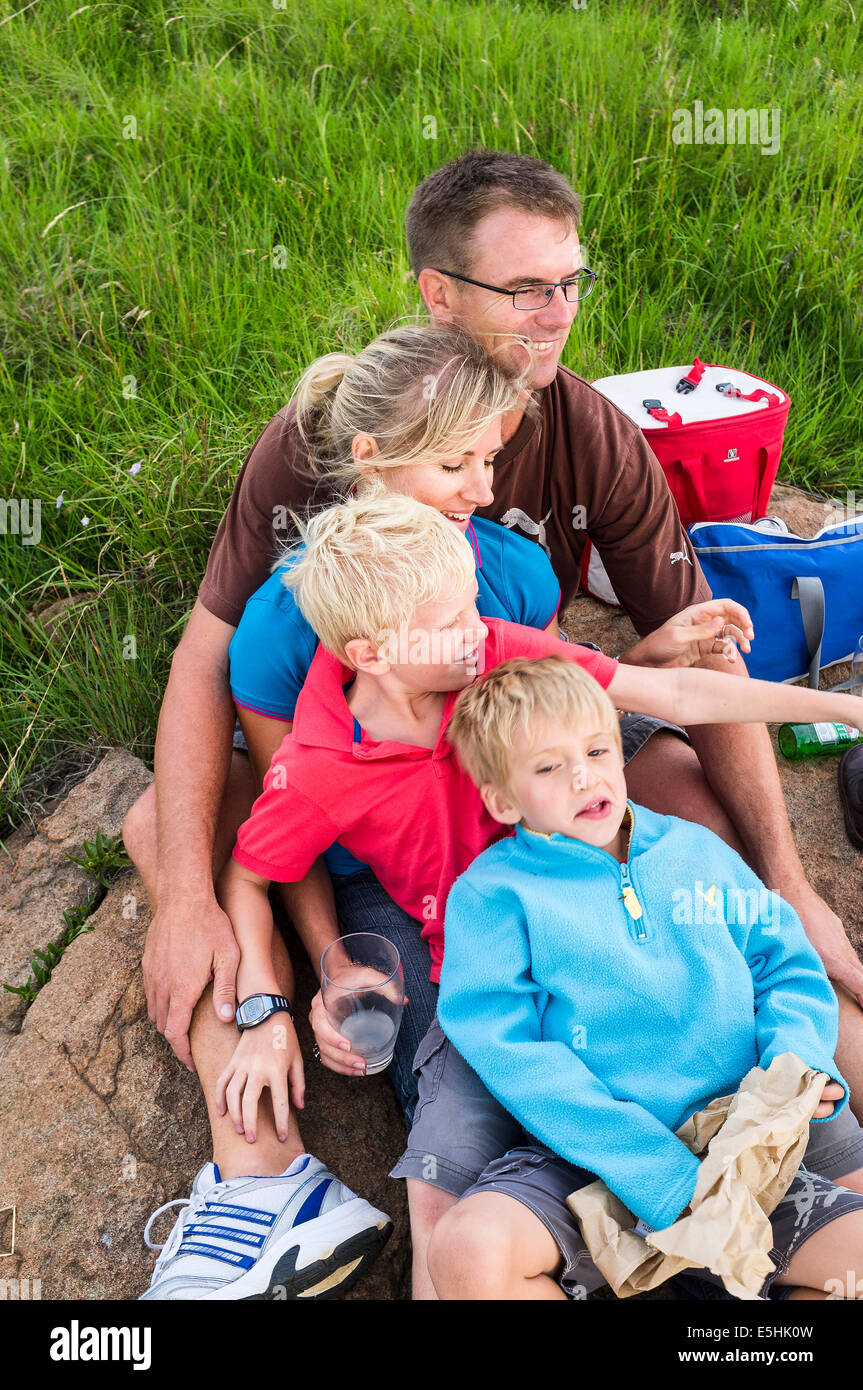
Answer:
(631, 903)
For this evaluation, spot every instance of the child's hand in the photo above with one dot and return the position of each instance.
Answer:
(268, 1055)
(832, 1092)
(333, 1047)
(704, 629)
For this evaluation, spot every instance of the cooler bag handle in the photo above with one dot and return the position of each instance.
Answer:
(809, 590)
(768, 457)
(692, 471)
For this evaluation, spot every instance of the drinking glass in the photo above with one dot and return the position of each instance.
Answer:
(362, 984)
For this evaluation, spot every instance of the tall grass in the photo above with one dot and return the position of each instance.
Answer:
(146, 318)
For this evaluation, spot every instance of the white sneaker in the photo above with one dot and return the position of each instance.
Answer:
(301, 1235)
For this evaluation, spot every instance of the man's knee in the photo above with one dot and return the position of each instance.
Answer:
(139, 826)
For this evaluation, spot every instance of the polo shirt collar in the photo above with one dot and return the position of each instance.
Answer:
(323, 719)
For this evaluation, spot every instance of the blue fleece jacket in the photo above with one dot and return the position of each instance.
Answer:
(604, 1003)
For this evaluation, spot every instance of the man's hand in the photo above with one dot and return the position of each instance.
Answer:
(189, 941)
(827, 934)
(268, 1055)
(832, 1092)
(694, 634)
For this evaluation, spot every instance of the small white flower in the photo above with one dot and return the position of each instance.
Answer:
(135, 468)
(59, 501)
(85, 521)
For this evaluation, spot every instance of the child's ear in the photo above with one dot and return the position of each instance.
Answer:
(363, 657)
(499, 805)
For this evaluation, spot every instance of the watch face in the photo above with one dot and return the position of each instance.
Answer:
(253, 1009)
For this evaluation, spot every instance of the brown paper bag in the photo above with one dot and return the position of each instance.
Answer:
(755, 1142)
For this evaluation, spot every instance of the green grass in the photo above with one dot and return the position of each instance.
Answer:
(152, 258)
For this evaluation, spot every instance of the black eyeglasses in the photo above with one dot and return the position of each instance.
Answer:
(537, 296)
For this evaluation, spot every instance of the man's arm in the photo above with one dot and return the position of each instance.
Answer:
(739, 763)
(190, 937)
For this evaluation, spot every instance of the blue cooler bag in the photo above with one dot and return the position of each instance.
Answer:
(805, 597)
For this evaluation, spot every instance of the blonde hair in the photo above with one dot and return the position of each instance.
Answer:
(489, 714)
(370, 562)
(422, 391)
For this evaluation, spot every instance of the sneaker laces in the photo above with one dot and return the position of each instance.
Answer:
(193, 1205)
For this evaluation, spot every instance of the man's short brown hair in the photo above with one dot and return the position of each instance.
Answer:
(447, 206)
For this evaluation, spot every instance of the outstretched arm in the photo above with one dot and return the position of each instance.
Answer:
(697, 696)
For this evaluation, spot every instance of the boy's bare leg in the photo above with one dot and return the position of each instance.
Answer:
(831, 1259)
(492, 1246)
(212, 1041)
(426, 1205)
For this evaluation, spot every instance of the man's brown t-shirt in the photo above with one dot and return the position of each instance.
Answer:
(581, 468)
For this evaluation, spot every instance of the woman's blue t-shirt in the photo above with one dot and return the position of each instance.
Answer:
(272, 648)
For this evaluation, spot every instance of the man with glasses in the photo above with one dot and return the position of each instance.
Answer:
(493, 241)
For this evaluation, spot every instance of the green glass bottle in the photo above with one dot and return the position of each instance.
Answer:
(799, 741)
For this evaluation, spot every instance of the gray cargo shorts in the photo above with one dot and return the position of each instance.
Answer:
(459, 1128)
(541, 1181)
(463, 1141)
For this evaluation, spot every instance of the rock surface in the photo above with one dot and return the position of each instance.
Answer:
(100, 1124)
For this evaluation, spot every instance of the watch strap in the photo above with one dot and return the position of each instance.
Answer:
(272, 1003)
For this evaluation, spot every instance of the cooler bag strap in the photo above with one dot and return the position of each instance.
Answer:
(809, 590)
(657, 410)
(759, 394)
(768, 459)
(693, 377)
(692, 472)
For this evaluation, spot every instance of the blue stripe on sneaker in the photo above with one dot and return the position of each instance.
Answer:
(228, 1256)
(241, 1237)
(312, 1205)
(263, 1218)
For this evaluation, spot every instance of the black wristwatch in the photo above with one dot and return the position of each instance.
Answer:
(259, 1007)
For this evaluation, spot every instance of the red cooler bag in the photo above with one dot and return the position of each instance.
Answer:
(717, 433)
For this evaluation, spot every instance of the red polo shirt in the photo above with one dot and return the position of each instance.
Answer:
(412, 814)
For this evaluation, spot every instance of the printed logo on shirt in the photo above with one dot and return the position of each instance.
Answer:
(680, 555)
(516, 517)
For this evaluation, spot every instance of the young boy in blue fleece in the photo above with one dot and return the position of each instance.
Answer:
(609, 971)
